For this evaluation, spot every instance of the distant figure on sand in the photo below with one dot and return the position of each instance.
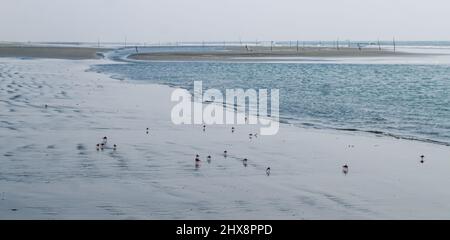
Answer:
(105, 140)
(197, 158)
(268, 171)
(422, 159)
(115, 147)
(225, 153)
(98, 146)
(232, 129)
(345, 169)
(208, 159)
(147, 130)
(204, 128)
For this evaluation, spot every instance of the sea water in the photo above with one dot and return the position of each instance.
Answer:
(402, 100)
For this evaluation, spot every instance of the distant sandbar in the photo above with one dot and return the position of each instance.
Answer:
(75, 53)
(267, 54)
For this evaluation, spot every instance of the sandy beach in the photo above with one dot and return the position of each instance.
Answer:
(54, 112)
(75, 53)
(268, 54)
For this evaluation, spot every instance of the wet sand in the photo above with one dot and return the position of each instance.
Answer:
(74, 53)
(266, 54)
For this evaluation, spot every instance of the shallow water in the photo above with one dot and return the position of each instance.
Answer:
(410, 101)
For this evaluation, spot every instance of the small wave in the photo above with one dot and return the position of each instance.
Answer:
(120, 78)
(374, 132)
(392, 135)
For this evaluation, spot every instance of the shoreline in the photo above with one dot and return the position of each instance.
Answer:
(287, 121)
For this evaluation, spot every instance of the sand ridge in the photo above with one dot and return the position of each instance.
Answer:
(74, 53)
(267, 54)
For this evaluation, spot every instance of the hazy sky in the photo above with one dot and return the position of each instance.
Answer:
(198, 20)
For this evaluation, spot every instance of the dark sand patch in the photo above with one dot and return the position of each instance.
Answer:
(74, 53)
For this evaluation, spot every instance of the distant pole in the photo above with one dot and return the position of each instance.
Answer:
(125, 41)
(337, 44)
(98, 43)
(393, 41)
(297, 45)
(379, 45)
(271, 46)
